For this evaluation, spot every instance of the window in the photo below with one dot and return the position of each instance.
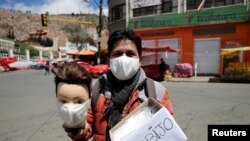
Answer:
(231, 2)
(219, 2)
(166, 6)
(208, 3)
(169, 6)
(191, 4)
(239, 1)
(118, 12)
(227, 2)
(150, 10)
(194, 4)
(136, 12)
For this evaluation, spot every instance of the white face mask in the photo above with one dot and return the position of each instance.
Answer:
(124, 67)
(73, 114)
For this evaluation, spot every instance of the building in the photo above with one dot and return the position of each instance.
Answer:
(198, 28)
(117, 14)
(6, 44)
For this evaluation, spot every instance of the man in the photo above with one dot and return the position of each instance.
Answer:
(120, 90)
(162, 69)
(47, 67)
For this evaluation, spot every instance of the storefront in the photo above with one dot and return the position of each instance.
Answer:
(236, 64)
(199, 35)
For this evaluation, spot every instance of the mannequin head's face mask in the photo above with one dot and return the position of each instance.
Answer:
(124, 59)
(73, 114)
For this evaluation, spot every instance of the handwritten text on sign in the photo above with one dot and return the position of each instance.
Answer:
(161, 127)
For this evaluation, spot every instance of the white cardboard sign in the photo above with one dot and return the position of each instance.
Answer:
(160, 127)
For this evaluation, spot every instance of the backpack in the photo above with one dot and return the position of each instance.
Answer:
(147, 84)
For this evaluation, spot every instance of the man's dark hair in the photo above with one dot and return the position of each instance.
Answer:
(124, 34)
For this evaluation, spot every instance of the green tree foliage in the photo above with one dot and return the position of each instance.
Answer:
(77, 34)
(11, 35)
(4, 51)
(23, 47)
(47, 42)
(90, 41)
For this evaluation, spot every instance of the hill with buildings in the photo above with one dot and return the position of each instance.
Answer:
(21, 24)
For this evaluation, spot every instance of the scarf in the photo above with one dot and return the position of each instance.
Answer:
(120, 94)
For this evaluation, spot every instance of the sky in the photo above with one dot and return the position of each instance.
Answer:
(55, 6)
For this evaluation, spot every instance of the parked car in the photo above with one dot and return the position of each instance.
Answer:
(4, 62)
(38, 64)
(84, 64)
(20, 65)
(98, 70)
(86, 60)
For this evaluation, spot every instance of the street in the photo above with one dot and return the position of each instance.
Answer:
(28, 106)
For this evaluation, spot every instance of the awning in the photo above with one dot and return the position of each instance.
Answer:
(160, 49)
(85, 52)
(227, 51)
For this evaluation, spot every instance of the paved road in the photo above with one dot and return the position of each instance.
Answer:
(199, 104)
(28, 109)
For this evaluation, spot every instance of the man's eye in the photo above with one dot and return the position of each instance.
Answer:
(117, 54)
(130, 54)
(63, 101)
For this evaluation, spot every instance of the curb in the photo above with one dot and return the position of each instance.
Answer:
(195, 79)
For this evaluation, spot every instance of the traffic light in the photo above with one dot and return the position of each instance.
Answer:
(44, 19)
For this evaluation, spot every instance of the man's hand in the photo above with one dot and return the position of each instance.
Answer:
(77, 133)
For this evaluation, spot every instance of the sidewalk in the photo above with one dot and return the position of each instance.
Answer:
(200, 79)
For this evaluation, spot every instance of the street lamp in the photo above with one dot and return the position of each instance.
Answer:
(99, 31)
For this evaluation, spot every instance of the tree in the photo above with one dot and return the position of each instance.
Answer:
(4, 51)
(90, 41)
(77, 34)
(33, 51)
(10, 34)
(47, 42)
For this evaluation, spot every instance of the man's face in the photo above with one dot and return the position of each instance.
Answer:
(124, 47)
(72, 93)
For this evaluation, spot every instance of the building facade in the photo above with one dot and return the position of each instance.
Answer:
(198, 28)
(6, 44)
(117, 15)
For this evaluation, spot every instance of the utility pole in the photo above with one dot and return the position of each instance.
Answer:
(99, 31)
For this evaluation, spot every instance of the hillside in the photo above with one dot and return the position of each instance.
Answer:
(23, 23)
